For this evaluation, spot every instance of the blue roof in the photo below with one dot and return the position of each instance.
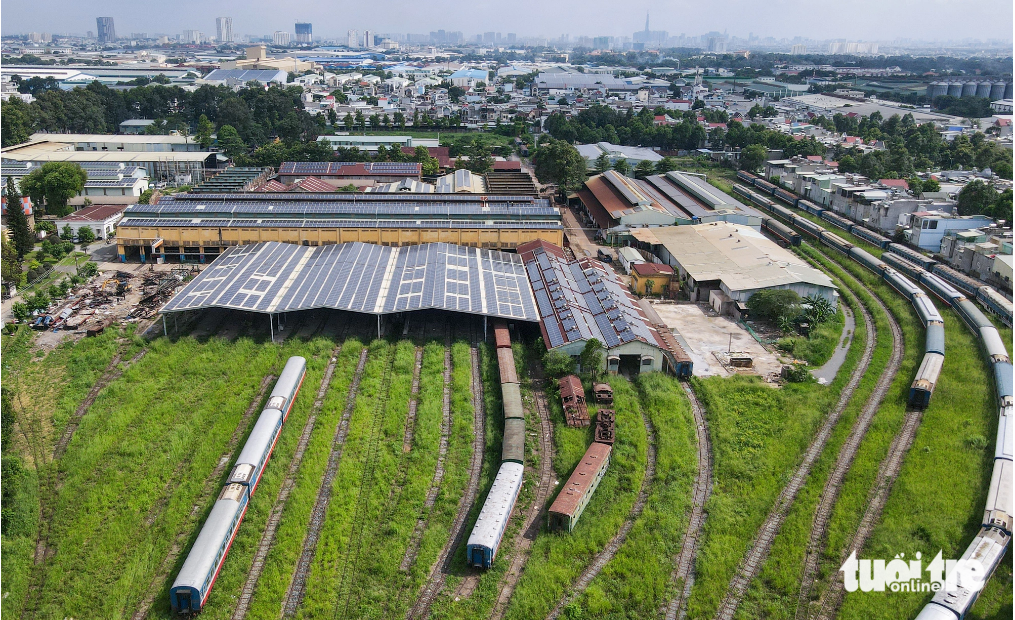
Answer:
(246, 75)
(475, 74)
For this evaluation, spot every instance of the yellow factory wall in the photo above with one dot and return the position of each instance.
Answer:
(218, 239)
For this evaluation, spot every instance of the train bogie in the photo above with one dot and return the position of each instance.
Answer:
(867, 259)
(926, 378)
(190, 591)
(486, 536)
(935, 337)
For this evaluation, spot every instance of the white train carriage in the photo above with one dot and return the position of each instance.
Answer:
(486, 536)
(287, 386)
(257, 451)
(193, 585)
(987, 550)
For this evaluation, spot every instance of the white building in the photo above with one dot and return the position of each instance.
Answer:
(102, 219)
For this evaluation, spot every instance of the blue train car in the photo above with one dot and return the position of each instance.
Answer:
(926, 378)
(810, 207)
(837, 220)
(935, 342)
(897, 262)
(912, 256)
(190, 591)
(867, 259)
(900, 283)
(780, 230)
(871, 237)
(486, 536)
(996, 303)
(835, 241)
(808, 226)
(786, 196)
(940, 288)
(765, 187)
(746, 177)
(962, 282)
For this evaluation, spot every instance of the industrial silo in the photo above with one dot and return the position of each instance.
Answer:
(1007, 90)
(996, 91)
(937, 89)
(983, 89)
(969, 89)
(955, 89)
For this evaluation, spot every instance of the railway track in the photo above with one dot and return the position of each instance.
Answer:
(762, 544)
(829, 495)
(683, 573)
(345, 588)
(296, 590)
(53, 480)
(442, 566)
(410, 421)
(289, 482)
(612, 547)
(412, 550)
(521, 546)
(208, 489)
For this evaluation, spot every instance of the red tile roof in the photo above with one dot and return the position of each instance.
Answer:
(895, 183)
(94, 213)
(312, 184)
(507, 165)
(442, 153)
(651, 269)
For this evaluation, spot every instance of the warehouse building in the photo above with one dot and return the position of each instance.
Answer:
(580, 300)
(342, 173)
(724, 264)
(108, 183)
(615, 203)
(196, 227)
(369, 144)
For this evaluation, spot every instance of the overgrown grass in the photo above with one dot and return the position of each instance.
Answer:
(558, 558)
(817, 347)
(758, 436)
(142, 454)
(281, 560)
(635, 584)
(774, 592)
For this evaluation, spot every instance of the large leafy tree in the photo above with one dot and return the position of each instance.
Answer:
(752, 157)
(204, 130)
(230, 142)
(15, 122)
(11, 271)
(17, 222)
(54, 184)
(558, 162)
(592, 356)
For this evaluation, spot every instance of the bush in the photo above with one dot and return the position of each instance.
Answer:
(89, 269)
(557, 364)
(38, 301)
(46, 226)
(21, 311)
(774, 304)
(86, 235)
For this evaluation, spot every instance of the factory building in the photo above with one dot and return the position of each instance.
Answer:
(197, 227)
(724, 264)
(580, 300)
(342, 173)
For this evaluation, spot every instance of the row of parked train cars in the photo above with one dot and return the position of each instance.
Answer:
(193, 584)
(990, 544)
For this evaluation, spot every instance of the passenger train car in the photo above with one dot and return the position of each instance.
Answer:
(989, 545)
(193, 584)
(488, 532)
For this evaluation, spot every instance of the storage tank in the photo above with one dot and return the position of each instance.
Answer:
(1007, 90)
(969, 89)
(996, 91)
(937, 89)
(983, 89)
(955, 89)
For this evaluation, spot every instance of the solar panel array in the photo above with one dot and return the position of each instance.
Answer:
(318, 168)
(360, 277)
(212, 220)
(582, 300)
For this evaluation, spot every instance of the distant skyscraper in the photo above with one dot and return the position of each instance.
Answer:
(107, 33)
(798, 49)
(304, 32)
(512, 38)
(280, 38)
(352, 39)
(368, 39)
(224, 29)
(650, 37)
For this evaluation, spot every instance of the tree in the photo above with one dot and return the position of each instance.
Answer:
(21, 311)
(203, 134)
(348, 121)
(557, 364)
(976, 198)
(931, 185)
(666, 164)
(17, 222)
(400, 120)
(592, 356)
(644, 169)
(11, 269)
(556, 161)
(146, 197)
(602, 163)
(54, 184)
(752, 157)
(230, 142)
(430, 164)
(85, 235)
(622, 166)
(67, 233)
(15, 122)
(773, 303)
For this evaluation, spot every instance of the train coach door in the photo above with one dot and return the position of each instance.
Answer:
(477, 557)
(183, 601)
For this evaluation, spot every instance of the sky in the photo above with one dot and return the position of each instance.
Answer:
(866, 20)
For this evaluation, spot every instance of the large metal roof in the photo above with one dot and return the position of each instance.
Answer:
(277, 277)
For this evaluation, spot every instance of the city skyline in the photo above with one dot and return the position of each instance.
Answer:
(905, 19)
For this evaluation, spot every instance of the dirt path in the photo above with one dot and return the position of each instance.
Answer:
(829, 495)
(683, 573)
(295, 592)
(751, 563)
(521, 546)
(612, 547)
(207, 490)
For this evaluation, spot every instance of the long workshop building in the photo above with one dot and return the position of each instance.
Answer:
(196, 227)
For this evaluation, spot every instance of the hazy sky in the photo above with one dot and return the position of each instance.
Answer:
(854, 19)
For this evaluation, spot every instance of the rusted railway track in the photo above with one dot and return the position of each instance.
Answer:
(683, 573)
(753, 560)
(830, 493)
